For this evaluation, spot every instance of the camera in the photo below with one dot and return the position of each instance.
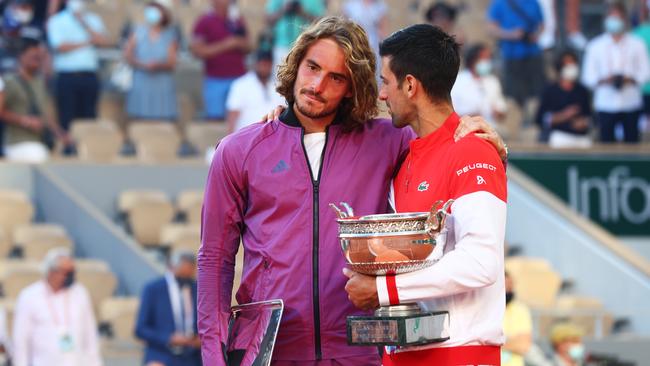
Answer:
(618, 81)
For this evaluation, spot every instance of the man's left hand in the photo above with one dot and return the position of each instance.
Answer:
(362, 290)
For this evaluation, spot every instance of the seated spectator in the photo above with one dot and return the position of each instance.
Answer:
(54, 322)
(443, 16)
(566, 341)
(220, 39)
(477, 91)
(167, 316)
(615, 67)
(15, 24)
(73, 34)
(151, 52)
(253, 94)
(517, 327)
(29, 123)
(564, 114)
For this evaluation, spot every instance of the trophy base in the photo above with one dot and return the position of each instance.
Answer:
(398, 325)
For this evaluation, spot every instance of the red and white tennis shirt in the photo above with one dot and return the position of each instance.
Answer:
(468, 281)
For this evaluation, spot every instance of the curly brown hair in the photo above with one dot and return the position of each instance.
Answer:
(359, 60)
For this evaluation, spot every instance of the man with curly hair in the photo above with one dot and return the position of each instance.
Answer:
(270, 185)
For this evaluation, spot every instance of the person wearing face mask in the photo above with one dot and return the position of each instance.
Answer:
(564, 113)
(15, 24)
(54, 322)
(167, 316)
(615, 67)
(477, 91)
(566, 340)
(151, 51)
(74, 35)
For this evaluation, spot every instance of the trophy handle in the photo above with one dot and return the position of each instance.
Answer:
(437, 217)
(340, 214)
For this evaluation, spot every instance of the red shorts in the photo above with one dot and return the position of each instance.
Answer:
(447, 356)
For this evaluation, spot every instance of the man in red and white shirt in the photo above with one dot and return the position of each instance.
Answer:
(420, 64)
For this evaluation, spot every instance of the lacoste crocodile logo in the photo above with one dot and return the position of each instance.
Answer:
(424, 186)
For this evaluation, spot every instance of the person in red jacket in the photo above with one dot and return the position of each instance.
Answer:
(419, 67)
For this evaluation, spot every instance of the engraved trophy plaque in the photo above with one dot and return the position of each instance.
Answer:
(388, 244)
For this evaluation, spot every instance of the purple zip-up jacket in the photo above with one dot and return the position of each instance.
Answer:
(260, 188)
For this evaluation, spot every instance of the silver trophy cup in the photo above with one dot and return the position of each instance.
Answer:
(390, 244)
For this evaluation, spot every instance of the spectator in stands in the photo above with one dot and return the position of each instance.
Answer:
(643, 32)
(517, 24)
(615, 67)
(15, 24)
(167, 316)
(151, 52)
(74, 34)
(564, 113)
(371, 16)
(220, 39)
(566, 340)
(54, 322)
(253, 94)
(29, 122)
(288, 18)
(546, 40)
(477, 91)
(4, 338)
(444, 15)
(517, 327)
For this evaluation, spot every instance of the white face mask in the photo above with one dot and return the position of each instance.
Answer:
(484, 67)
(614, 24)
(76, 6)
(152, 15)
(23, 16)
(570, 72)
(577, 352)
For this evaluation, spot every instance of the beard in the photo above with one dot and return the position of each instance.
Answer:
(305, 110)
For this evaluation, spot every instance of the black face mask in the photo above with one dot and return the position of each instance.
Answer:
(69, 279)
(509, 297)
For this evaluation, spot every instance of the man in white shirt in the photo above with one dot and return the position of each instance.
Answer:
(615, 67)
(477, 92)
(252, 95)
(54, 322)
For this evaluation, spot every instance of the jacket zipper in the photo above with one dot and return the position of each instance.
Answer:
(315, 240)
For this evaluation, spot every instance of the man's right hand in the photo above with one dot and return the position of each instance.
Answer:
(178, 340)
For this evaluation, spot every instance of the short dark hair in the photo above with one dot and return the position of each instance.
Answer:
(617, 5)
(427, 53)
(473, 53)
(559, 60)
(26, 44)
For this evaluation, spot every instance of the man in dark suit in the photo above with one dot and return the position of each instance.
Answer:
(167, 317)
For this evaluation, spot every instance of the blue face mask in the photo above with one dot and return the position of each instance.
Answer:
(577, 352)
(152, 15)
(614, 25)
